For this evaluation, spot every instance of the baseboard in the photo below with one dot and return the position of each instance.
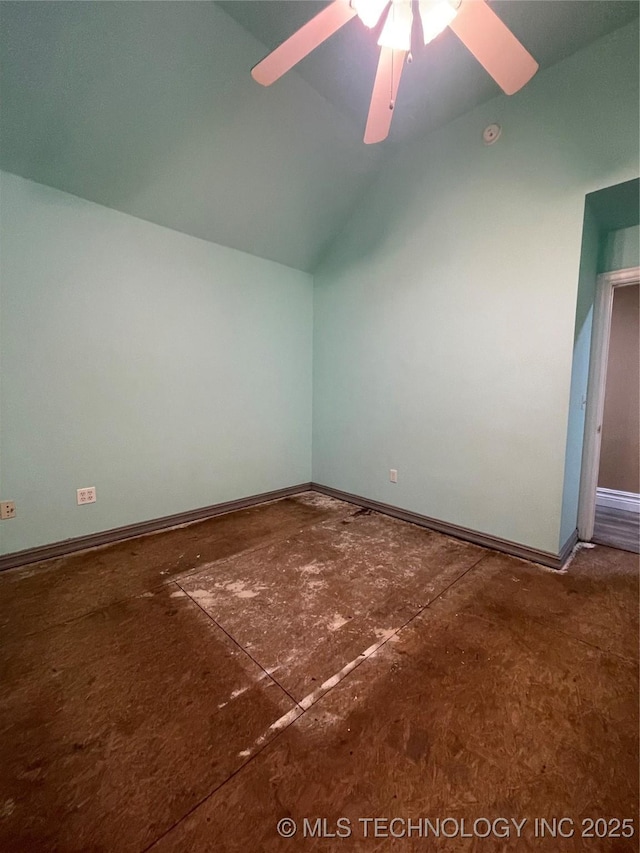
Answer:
(626, 501)
(546, 558)
(567, 548)
(106, 537)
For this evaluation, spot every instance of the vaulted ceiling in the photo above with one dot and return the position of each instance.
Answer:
(149, 108)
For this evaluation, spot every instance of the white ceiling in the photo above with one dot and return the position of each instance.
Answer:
(149, 108)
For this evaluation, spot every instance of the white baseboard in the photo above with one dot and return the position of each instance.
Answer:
(628, 501)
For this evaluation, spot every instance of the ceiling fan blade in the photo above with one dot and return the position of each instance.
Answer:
(302, 42)
(383, 98)
(494, 45)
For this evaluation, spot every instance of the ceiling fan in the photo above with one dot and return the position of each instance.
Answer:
(473, 21)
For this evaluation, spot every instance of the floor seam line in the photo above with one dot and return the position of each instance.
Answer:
(605, 652)
(303, 710)
(218, 787)
(209, 565)
(156, 587)
(382, 643)
(239, 645)
(442, 592)
(534, 618)
(80, 616)
(305, 704)
(162, 583)
(586, 642)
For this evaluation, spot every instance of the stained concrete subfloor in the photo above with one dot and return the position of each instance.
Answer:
(304, 660)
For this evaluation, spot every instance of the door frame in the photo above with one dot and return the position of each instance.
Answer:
(606, 283)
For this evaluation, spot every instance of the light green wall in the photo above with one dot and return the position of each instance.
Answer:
(603, 250)
(168, 372)
(587, 275)
(620, 250)
(444, 314)
(173, 373)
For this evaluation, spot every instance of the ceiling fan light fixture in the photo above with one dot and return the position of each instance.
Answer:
(474, 22)
(369, 11)
(396, 32)
(436, 15)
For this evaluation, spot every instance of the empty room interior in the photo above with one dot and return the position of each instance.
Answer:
(319, 425)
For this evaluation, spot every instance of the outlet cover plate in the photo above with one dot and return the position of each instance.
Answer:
(86, 495)
(7, 509)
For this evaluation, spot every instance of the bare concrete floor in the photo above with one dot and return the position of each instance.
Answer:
(304, 659)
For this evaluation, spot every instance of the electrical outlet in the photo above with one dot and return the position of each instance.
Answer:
(7, 509)
(393, 475)
(87, 495)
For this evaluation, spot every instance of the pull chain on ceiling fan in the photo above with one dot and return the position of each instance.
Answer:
(477, 26)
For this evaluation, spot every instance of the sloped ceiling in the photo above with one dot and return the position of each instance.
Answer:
(148, 107)
(444, 80)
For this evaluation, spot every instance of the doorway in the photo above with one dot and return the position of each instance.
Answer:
(609, 507)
